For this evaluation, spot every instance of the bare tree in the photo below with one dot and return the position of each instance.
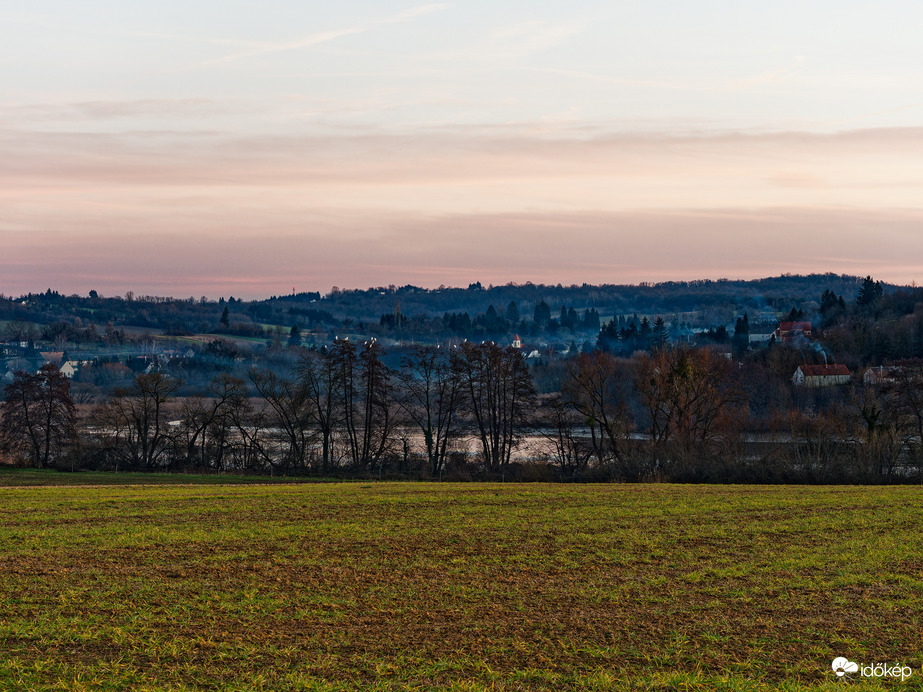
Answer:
(429, 395)
(19, 331)
(594, 388)
(38, 417)
(207, 423)
(691, 400)
(500, 398)
(368, 412)
(132, 423)
(253, 426)
(290, 416)
(560, 425)
(319, 375)
(883, 434)
(904, 390)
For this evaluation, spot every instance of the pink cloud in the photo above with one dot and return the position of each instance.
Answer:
(193, 213)
(456, 249)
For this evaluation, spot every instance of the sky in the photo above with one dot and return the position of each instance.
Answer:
(238, 148)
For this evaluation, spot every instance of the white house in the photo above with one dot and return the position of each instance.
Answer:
(821, 375)
(880, 374)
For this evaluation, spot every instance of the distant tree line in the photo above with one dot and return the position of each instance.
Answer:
(539, 309)
(646, 399)
(474, 411)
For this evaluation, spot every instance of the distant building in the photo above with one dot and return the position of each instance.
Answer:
(821, 375)
(52, 356)
(792, 331)
(516, 342)
(760, 339)
(69, 369)
(880, 374)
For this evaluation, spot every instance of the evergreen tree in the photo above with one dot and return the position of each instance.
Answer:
(870, 292)
(608, 339)
(294, 336)
(541, 315)
(742, 334)
(660, 337)
(828, 301)
(512, 313)
(629, 337)
(225, 318)
(459, 323)
(591, 319)
(491, 320)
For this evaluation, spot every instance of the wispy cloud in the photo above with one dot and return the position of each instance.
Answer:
(867, 116)
(772, 76)
(136, 251)
(415, 12)
(327, 36)
(53, 24)
(82, 112)
(496, 168)
(371, 209)
(281, 46)
(252, 47)
(622, 81)
(531, 37)
(512, 42)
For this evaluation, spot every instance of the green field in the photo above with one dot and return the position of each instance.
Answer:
(434, 586)
(17, 477)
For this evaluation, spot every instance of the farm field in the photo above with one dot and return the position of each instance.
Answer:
(12, 477)
(387, 586)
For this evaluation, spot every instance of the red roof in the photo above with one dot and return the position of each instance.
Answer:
(824, 370)
(800, 326)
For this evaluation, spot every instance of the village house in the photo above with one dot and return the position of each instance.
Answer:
(760, 340)
(52, 356)
(821, 375)
(69, 369)
(880, 374)
(787, 332)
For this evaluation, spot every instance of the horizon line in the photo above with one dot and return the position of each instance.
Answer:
(144, 297)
